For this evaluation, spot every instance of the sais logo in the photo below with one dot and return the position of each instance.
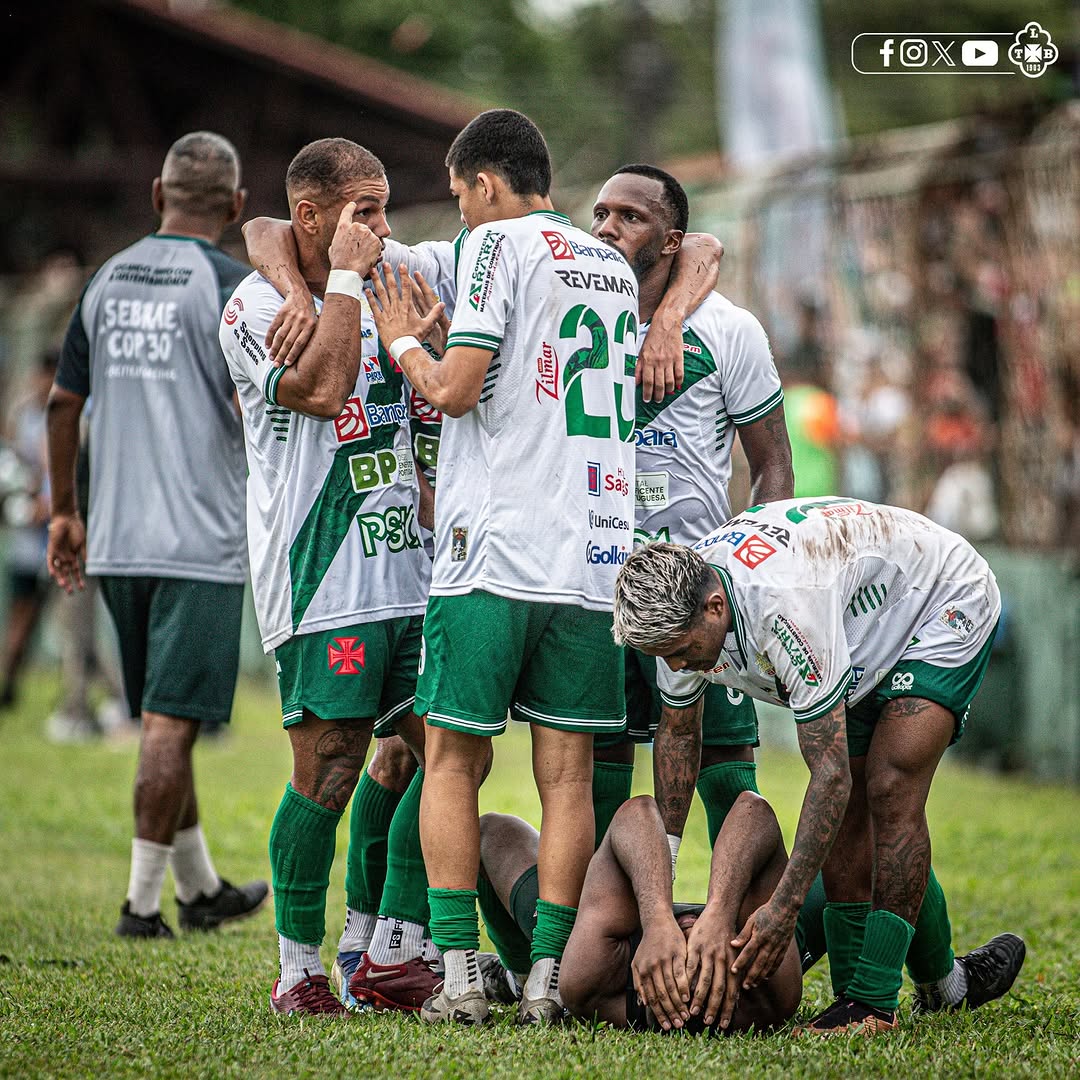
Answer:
(617, 482)
(352, 424)
(560, 246)
(612, 555)
(547, 372)
(232, 310)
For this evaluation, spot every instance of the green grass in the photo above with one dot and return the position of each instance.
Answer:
(74, 1001)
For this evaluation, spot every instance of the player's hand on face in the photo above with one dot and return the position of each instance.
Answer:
(762, 943)
(393, 308)
(659, 970)
(709, 956)
(292, 328)
(355, 246)
(425, 299)
(659, 369)
(66, 551)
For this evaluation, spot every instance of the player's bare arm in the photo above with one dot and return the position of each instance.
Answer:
(67, 531)
(320, 382)
(769, 929)
(749, 840)
(694, 274)
(676, 763)
(768, 453)
(453, 384)
(271, 249)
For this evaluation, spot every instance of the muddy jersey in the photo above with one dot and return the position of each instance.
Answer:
(827, 595)
(684, 442)
(535, 483)
(167, 461)
(331, 504)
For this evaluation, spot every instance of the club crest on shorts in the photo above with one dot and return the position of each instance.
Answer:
(343, 651)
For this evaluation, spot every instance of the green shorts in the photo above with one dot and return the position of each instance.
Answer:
(954, 688)
(550, 664)
(728, 717)
(179, 644)
(361, 672)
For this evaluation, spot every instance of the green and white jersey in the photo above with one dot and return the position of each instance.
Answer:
(535, 484)
(684, 442)
(332, 531)
(826, 596)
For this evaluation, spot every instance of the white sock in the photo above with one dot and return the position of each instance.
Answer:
(429, 951)
(149, 861)
(462, 972)
(192, 869)
(297, 962)
(954, 986)
(543, 980)
(396, 941)
(359, 926)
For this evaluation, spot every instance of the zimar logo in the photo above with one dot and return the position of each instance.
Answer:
(1029, 52)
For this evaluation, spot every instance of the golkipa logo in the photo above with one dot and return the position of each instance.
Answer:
(560, 246)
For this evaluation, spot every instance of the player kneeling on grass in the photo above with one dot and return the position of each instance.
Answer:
(635, 959)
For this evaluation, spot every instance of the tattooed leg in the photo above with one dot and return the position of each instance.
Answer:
(848, 871)
(327, 758)
(908, 742)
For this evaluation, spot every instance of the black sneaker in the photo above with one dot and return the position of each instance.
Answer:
(229, 902)
(845, 1016)
(992, 968)
(496, 981)
(141, 926)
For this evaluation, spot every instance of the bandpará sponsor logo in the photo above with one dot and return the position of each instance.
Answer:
(655, 437)
(607, 521)
(612, 555)
(379, 415)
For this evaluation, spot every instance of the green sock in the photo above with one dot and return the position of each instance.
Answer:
(302, 841)
(373, 809)
(405, 893)
(880, 969)
(845, 925)
(810, 926)
(611, 783)
(930, 956)
(553, 925)
(719, 786)
(508, 938)
(453, 923)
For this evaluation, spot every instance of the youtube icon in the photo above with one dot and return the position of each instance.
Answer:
(979, 53)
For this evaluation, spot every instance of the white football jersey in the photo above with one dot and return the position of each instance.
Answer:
(332, 531)
(827, 595)
(684, 442)
(535, 496)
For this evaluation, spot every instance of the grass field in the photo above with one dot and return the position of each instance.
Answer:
(75, 1001)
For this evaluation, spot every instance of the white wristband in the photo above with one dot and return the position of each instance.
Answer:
(673, 843)
(346, 282)
(402, 345)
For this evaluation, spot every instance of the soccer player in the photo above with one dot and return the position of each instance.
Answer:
(532, 518)
(874, 626)
(683, 459)
(339, 574)
(634, 958)
(166, 526)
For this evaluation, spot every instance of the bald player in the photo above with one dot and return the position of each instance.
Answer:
(166, 523)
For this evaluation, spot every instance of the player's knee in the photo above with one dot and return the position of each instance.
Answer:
(639, 809)
(393, 765)
(889, 792)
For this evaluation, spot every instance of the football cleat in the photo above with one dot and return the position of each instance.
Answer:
(228, 903)
(846, 1016)
(541, 1010)
(991, 970)
(468, 1008)
(402, 987)
(141, 926)
(499, 984)
(344, 966)
(311, 996)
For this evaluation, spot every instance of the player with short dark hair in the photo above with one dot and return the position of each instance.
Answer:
(505, 142)
(166, 524)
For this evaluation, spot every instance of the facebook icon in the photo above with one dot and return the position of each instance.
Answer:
(886, 51)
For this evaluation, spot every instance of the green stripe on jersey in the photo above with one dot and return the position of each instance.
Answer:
(475, 340)
(756, 413)
(698, 364)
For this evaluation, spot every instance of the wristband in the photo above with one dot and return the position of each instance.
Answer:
(346, 282)
(402, 345)
(673, 843)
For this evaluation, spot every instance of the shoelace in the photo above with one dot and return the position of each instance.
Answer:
(986, 964)
(316, 996)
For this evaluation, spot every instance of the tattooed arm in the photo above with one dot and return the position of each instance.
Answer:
(676, 762)
(769, 929)
(768, 452)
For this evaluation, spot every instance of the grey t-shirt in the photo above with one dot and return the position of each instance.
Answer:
(167, 464)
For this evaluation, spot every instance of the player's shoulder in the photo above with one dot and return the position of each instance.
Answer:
(717, 314)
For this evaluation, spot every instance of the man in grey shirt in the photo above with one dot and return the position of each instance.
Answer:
(166, 521)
